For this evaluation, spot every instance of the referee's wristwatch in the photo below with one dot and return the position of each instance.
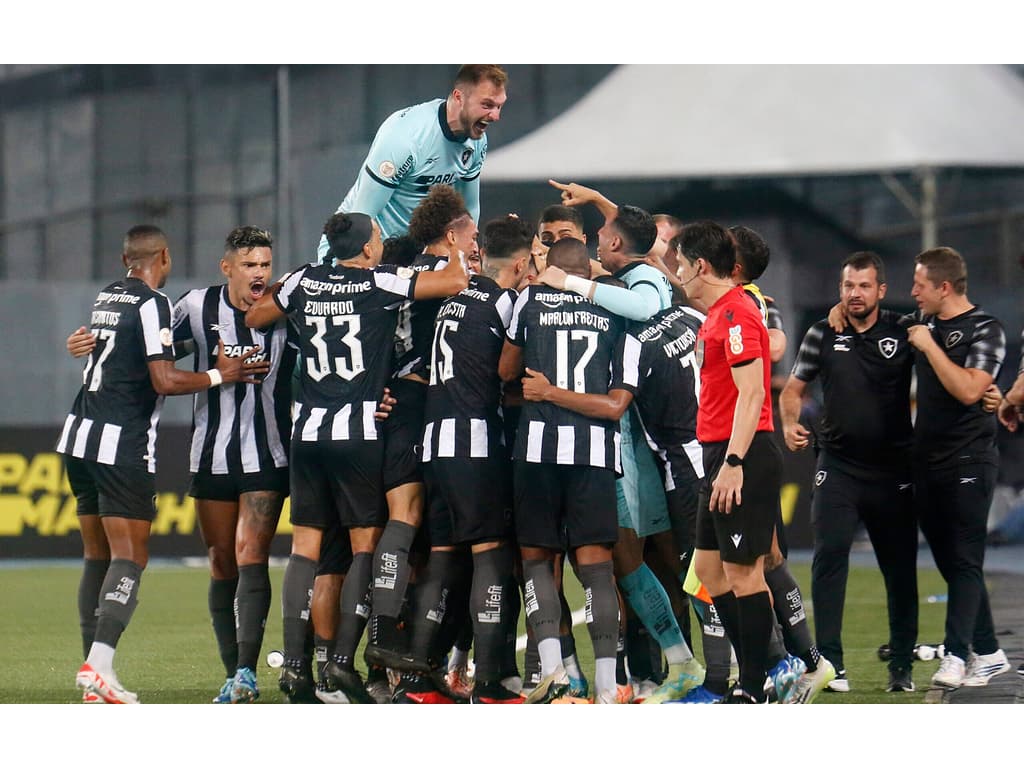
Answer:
(733, 460)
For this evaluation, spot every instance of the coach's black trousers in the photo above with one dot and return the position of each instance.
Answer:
(953, 509)
(884, 503)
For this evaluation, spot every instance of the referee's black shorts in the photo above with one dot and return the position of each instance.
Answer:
(746, 533)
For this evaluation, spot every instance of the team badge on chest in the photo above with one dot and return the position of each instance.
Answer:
(888, 347)
(700, 353)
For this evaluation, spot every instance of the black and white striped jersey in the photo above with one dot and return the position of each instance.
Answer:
(236, 428)
(657, 362)
(462, 417)
(115, 416)
(947, 432)
(346, 319)
(571, 341)
(416, 326)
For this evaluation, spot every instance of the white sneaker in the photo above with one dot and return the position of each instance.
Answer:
(642, 689)
(109, 690)
(983, 668)
(840, 684)
(806, 689)
(951, 672)
(550, 687)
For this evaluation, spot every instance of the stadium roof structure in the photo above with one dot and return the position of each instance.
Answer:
(705, 121)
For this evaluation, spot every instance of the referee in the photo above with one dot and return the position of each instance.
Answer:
(863, 472)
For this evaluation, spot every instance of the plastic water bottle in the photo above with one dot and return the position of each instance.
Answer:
(275, 659)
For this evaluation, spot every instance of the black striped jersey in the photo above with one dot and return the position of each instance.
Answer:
(416, 326)
(947, 432)
(462, 416)
(236, 428)
(571, 341)
(346, 320)
(115, 415)
(657, 362)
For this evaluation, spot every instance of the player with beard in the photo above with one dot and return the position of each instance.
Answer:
(442, 141)
(109, 443)
(863, 471)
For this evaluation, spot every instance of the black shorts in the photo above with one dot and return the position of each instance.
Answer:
(562, 506)
(335, 551)
(206, 485)
(403, 434)
(338, 480)
(746, 533)
(469, 500)
(110, 491)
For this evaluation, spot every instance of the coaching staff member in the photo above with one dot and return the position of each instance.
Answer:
(864, 472)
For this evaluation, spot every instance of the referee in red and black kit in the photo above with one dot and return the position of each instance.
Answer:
(739, 497)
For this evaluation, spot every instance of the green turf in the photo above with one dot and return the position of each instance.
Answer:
(168, 654)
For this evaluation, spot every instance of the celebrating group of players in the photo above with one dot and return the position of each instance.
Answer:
(456, 423)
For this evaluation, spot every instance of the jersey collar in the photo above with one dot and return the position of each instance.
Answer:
(442, 119)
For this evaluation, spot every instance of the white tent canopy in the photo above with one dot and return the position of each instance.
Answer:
(646, 121)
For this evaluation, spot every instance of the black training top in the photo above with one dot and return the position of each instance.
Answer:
(865, 379)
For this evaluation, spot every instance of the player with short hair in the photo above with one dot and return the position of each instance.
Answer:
(346, 313)
(442, 141)
(564, 467)
(109, 444)
(449, 233)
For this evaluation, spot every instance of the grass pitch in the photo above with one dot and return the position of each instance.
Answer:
(168, 654)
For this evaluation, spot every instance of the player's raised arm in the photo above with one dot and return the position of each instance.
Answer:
(576, 194)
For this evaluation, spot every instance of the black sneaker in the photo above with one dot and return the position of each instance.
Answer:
(737, 695)
(418, 689)
(347, 681)
(494, 693)
(900, 680)
(297, 684)
(385, 646)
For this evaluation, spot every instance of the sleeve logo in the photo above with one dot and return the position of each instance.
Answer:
(405, 273)
(387, 169)
(736, 339)
(166, 338)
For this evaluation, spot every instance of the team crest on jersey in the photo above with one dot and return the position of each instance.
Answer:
(387, 169)
(700, 353)
(887, 347)
(466, 154)
(736, 339)
(819, 478)
(953, 339)
(166, 338)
